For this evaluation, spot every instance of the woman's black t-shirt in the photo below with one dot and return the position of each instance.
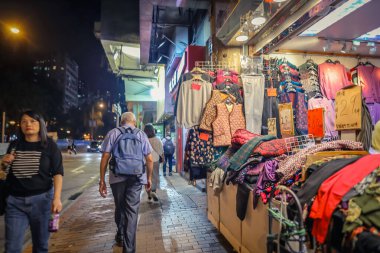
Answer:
(34, 167)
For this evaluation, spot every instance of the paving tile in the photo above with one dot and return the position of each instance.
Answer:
(177, 223)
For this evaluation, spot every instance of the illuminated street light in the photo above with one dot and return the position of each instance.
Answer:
(14, 30)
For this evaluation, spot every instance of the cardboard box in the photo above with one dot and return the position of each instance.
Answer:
(230, 224)
(213, 207)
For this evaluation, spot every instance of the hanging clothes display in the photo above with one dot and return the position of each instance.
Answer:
(270, 107)
(309, 78)
(253, 87)
(233, 89)
(299, 104)
(329, 115)
(332, 77)
(192, 99)
(209, 114)
(199, 152)
(229, 118)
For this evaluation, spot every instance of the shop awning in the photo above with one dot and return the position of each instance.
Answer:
(124, 60)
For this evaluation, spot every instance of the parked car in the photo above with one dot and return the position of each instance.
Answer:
(94, 146)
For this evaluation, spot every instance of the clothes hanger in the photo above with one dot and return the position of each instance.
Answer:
(369, 63)
(197, 70)
(329, 61)
(196, 78)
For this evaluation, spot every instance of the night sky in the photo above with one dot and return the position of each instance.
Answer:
(62, 26)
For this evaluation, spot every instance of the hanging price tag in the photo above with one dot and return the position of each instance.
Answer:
(195, 86)
(348, 108)
(315, 122)
(286, 119)
(204, 136)
(272, 92)
(272, 127)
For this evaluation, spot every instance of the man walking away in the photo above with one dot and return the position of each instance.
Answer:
(169, 150)
(128, 152)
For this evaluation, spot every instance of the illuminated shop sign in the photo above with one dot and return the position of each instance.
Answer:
(177, 74)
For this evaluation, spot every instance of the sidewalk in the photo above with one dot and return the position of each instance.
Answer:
(177, 223)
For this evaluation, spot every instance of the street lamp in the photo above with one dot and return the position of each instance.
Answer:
(14, 30)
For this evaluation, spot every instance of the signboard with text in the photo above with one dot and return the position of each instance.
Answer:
(316, 122)
(348, 108)
(286, 119)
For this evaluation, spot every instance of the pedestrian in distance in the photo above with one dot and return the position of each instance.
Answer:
(72, 148)
(35, 175)
(169, 150)
(128, 153)
(158, 155)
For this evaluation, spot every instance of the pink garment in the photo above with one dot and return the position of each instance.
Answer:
(367, 82)
(376, 78)
(328, 105)
(332, 77)
(221, 77)
(332, 190)
(374, 111)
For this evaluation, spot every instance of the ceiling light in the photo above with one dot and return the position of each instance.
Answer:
(370, 44)
(344, 48)
(356, 43)
(155, 70)
(243, 36)
(258, 20)
(280, 1)
(327, 46)
(373, 50)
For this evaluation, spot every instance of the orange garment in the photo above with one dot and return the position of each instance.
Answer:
(333, 189)
(229, 119)
(209, 113)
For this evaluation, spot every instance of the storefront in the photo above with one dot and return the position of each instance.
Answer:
(281, 118)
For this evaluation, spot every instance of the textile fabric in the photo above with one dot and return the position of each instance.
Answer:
(376, 137)
(127, 202)
(334, 188)
(241, 137)
(320, 174)
(156, 176)
(209, 114)
(192, 99)
(21, 212)
(288, 167)
(226, 124)
(253, 102)
(245, 151)
(109, 141)
(328, 105)
(332, 77)
(169, 162)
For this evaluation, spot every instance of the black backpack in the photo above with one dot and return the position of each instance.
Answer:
(169, 147)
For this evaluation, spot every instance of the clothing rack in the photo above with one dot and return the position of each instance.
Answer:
(210, 66)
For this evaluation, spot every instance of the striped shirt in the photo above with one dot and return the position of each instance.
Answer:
(34, 167)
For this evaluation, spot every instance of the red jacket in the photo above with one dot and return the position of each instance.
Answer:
(332, 190)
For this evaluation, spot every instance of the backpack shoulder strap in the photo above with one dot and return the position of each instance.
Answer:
(122, 131)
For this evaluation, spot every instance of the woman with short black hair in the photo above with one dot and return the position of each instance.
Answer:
(157, 152)
(35, 184)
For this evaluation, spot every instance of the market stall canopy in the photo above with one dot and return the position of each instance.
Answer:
(124, 61)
